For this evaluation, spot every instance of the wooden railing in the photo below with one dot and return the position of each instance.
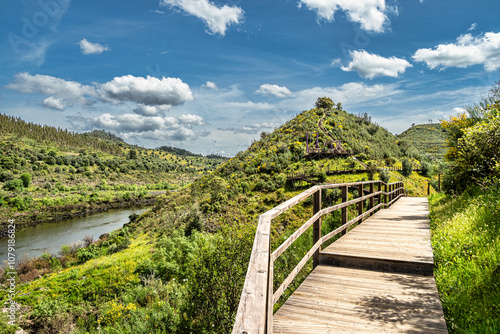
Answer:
(255, 310)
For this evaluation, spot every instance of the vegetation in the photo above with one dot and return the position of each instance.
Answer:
(466, 243)
(465, 221)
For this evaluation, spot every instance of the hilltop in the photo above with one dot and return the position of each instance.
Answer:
(428, 138)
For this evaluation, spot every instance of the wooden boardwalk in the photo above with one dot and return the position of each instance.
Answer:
(375, 279)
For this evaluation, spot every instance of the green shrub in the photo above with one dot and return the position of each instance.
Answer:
(21, 204)
(407, 168)
(16, 184)
(215, 281)
(426, 169)
(26, 178)
(384, 175)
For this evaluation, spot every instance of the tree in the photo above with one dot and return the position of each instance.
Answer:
(26, 178)
(132, 154)
(407, 168)
(325, 103)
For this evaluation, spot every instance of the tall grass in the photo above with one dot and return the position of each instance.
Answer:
(466, 242)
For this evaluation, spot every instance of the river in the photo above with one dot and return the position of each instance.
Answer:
(49, 237)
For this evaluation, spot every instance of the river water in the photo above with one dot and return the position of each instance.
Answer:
(49, 237)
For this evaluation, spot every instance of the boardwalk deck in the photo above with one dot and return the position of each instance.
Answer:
(380, 282)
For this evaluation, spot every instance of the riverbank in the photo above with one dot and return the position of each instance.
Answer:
(59, 213)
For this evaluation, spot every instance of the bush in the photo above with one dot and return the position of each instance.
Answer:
(426, 169)
(12, 185)
(21, 204)
(193, 220)
(216, 278)
(384, 175)
(6, 176)
(26, 178)
(407, 168)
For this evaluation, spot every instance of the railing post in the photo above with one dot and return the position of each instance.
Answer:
(360, 204)
(317, 225)
(344, 210)
(270, 288)
(372, 199)
(385, 195)
(379, 189)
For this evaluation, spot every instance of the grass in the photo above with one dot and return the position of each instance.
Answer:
(466, 242)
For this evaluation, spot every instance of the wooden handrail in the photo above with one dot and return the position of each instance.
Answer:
(255, 310)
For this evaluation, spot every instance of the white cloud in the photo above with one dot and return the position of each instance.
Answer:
(458, 110)
(335, 62)
(131, 122)
(148, 91)
(472, 27)
(249, 105)
(89, 48)
(145, 110)
(180, 134)
(370, 14)
(210, 85)
(352, 93)
(218, 19)
(371, 65)
(467, 51)
(155, 128)
(278, 91)
(48, 85)
(53, 103)
(191, 119)
(152, 95)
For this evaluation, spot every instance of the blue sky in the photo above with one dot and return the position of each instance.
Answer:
(210, 75)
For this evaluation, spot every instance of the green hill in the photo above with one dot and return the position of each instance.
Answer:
(428, 138)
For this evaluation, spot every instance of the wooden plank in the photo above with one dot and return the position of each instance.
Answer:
(334, 299)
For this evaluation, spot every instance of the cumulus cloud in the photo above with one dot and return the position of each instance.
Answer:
(370, 14)
(152, 95)
(467, 51)
(53, 103)
(149, 127)
(147, 91)
(180, 134)
(48, 85)
(89, 48)
(218, 19)
(191, 119)
(371, 65)
(278, 91)
(210, 85)
(131, 122)
(152, 128)
(148, 110)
